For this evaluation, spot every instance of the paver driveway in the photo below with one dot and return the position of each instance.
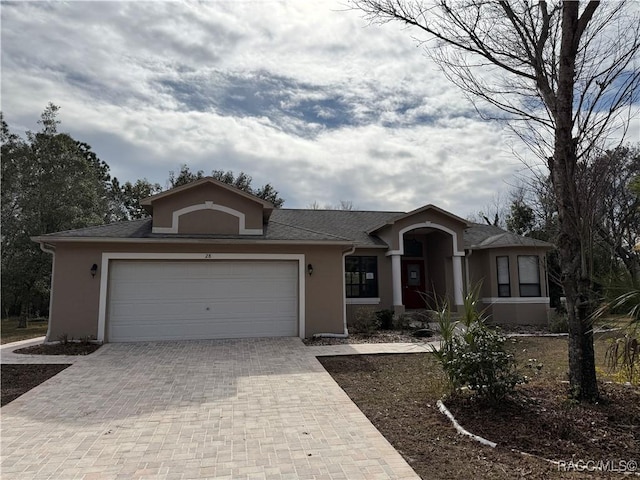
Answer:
(259, 408)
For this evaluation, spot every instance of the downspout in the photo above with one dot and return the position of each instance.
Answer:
(468, 253)
(345, 333)
(50, 249)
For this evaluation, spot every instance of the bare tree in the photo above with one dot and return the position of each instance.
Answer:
(493, 213)
(562, 75)
(343, 205)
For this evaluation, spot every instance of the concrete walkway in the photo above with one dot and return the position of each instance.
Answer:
(227, 409)
(371, 348)
(7, 354)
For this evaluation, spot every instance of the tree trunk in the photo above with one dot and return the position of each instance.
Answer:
(575, 280)
(23, 319)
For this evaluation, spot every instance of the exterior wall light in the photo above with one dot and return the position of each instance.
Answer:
(94, 270)
(310, 269)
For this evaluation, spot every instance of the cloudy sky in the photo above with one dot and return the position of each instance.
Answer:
(303, 95)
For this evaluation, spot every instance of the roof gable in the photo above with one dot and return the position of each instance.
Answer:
(208, 206)
(177, 190)
(418, 211)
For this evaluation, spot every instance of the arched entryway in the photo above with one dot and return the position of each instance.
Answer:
(427, 267)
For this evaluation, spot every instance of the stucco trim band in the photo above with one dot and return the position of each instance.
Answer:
(508, 300)
(362, 301)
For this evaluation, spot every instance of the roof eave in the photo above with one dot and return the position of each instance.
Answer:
(235, 241)
(548, 246)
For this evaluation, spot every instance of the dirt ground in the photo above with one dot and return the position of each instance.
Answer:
(398, 393)
(69, 348)
(19, 379)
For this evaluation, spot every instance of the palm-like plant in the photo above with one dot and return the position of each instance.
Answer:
(623, 355)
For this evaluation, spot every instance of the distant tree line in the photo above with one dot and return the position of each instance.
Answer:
(51, 182)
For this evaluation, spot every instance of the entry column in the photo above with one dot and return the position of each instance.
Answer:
(457, 280)
(396, 278)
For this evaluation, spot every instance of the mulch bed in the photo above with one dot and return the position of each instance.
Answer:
(379, 336)
(398, 393)
(69, 348)
(18, 379)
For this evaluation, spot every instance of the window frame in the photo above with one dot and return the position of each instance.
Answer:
(366, 288)
(522, 284)
(508, 279)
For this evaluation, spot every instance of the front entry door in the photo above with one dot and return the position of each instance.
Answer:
(413, 284)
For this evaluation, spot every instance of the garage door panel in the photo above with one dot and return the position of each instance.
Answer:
(198, 332)
(156, 300)
(197, 289)
(229, 307)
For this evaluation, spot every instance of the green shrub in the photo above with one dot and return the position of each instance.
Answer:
(559, 322)
(444, 353)
(364, 321)
(623, 355)
(87, 340)
(480, 362)
(475, 356)
(402, 322)
(385, 319)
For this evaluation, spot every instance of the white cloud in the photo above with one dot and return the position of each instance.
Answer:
(298, 94)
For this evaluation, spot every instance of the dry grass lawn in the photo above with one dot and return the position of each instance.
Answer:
(9, 331)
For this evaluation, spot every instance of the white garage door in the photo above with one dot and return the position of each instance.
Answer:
(171, 300)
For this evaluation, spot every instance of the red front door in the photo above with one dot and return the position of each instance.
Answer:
(413, 284)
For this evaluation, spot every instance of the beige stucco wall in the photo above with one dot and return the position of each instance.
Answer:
(513, 254)
(390, 234)
(480, 271)
(75, 302)
(519, 313)
(209, 222)
(163, 209)
(514, 309)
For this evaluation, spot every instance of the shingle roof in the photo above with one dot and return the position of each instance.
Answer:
(130, 229)
(478, 236)
(285, 224)
(309, 225)
(349, 224)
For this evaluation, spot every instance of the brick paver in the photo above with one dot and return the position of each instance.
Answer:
(226, 409)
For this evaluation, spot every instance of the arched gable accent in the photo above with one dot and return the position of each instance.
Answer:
(427, 224)
(208, 205)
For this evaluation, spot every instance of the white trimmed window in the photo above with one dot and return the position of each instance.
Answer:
(529, 276)
(504, 284)
(361, 274)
